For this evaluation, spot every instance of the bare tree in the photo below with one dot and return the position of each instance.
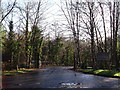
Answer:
(92, 27)
(32, 14)
(116, 17)
(114, 9)
(72, 16)
(103, 19)
(3, 17)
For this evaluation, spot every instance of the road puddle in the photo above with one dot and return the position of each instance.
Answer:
(72, 85)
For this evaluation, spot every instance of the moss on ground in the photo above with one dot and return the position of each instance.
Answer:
(110, 73)
(16, 72)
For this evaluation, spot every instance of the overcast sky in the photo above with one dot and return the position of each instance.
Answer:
(52, 15)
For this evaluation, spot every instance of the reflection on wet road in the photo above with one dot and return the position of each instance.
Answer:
(59, 77)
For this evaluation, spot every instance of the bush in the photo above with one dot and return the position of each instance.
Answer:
(22, 66)
(6, 66)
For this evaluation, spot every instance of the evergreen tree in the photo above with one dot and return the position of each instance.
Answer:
(36, 43)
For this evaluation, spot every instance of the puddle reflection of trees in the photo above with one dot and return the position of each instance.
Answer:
(110, 80)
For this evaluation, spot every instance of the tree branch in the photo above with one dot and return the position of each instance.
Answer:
(8, 12)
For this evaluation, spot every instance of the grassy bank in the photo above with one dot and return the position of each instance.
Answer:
(101, 72)
(16, 72)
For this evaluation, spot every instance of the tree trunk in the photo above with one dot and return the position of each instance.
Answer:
(77, 37)
(90, 5)
(26, 38)
(116, 31)
(75, 64)
(105, 45)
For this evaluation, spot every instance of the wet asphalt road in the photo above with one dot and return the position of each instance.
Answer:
(59, 77)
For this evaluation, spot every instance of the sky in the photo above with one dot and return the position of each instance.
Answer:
(50, 14)
(53, 16)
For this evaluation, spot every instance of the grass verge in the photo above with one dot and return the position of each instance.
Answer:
(101, 72)
(16, 72)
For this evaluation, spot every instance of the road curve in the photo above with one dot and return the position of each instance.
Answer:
(59, 77)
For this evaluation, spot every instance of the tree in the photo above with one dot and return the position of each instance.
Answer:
(91, 6)
(72, 17)
(116, 16)
(104, 26)
(36, 43)
(54, 48)
(10, 45)
(68, 54)
(31, 14)
(3, 17)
